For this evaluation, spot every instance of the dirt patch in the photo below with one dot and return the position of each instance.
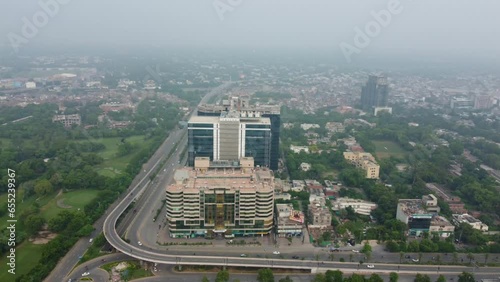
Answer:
(62, 205)
(43, 237)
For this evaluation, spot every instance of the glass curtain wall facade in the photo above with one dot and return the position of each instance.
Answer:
(200, 141)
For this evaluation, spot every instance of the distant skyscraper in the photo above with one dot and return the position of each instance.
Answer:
(375, 92)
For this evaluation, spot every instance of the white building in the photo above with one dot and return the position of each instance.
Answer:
(307, 126)
(305, 166)
(30, 85)
(359, 206)
(469, 219)
(298, 149)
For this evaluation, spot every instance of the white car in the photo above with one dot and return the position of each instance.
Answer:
(243, 255)
(415, 260)
(370, 266)
(139, 242)
(85, 274)
(355, 251)
(276, 252)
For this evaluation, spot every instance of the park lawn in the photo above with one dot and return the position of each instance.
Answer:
(393, 149)
(5, 143)
(77, 199)
(332, 173)
(27, 256)
(113, 165)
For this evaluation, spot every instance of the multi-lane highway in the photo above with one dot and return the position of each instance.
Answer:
(146, 251)
(67, 263)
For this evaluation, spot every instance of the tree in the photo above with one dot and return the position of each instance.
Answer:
(331, 256)
(441, 278)
(393, 277)
(334, 276)
(375, 278)
(366, 248)
(265, 275)
(320, 277)
(422, 278)
(222, 276)
(392, 246)
(357, 278)
(286, 279)
(470, 256)
(33, 224)
(43, 187)
(466, 277)
(205, 279)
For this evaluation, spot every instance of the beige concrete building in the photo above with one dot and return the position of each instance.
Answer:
(319, 214)
(441, 226)
(364, 161)
(67, 120)
(220, 198)
(289, 222)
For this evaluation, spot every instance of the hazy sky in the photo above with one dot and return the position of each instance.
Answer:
(470, 26)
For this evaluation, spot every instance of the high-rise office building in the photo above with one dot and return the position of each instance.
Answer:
(220, 198)
(230, 137)
(241, 105)
(375, 92)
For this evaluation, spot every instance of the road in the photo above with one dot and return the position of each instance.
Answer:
(149, 253)
(67, 263)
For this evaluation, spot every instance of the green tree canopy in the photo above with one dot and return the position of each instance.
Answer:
(265, 275)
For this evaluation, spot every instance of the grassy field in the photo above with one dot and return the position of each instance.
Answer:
(27, 256)
(73, 200)
(386, 149)
(332, 173)
(112, 164)
(48, 204)
(5, 143)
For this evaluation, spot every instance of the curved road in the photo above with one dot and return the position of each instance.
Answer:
(142, 252)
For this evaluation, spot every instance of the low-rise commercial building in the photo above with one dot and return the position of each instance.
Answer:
(319, 214)
(417, 213)
(470, 220)
(68, 120)
(289, 222)
(364, 161)
(441, 226)
(298, 149)
(359, 206)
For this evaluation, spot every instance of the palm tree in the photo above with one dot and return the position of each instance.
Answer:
(401, 254)
(486, 256)
(420, 257)
(455, 257)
